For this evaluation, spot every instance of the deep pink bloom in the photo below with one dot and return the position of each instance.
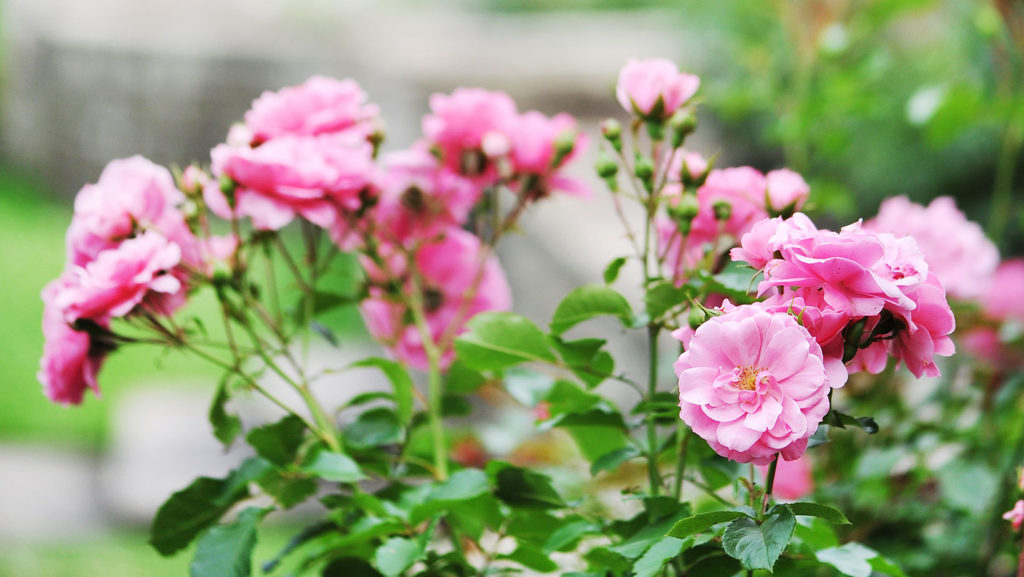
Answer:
(533, 140)
(449, 268)
(1002, 300)
(460, 123)
(787, 191)
(314, 177)
(1016, 515)
(793, 479)
(320, 105)
(957, 250)
(121, 278)
(754, 384)
(70, 362)
(654, 89)
(933, 322)
(419, 198)
(131, 195)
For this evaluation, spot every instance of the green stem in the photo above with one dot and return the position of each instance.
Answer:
(682, 442)
(769, 484)
(1006, 165)
(434, 385)
(652, 430)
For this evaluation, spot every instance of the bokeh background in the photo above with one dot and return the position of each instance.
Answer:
(866, 98)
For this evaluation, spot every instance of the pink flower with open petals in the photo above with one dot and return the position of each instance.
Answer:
(754, 384)
(119, 279)
(933, 322)
(533, 140)
(654, 88)
(743, 188)
(320, 105)
(70, 361)
(450, 269)
(462, 123)
(1016, 515)
(1002, 299)
(957, 250)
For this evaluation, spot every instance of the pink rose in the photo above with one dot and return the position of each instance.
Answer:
(787, 191)
(793, 479)
(1016, 515)
(70, 361)
(1002, 300)
(320, 105)
(957, 250)
(121, 278)
(533, 140)
(460, 123)
(419, 198)
(132, 195)
(754, 384)
(743, 189)
(654, 89)
(449, 268)
(314, 177)
(767, 236)
(933, 321)
(680, 254)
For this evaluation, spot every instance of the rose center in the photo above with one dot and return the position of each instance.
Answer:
(747, 379)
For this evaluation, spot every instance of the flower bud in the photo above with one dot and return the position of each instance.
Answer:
(683, 123)
(606, 166)
(612, 131)
(687, 207)
(722, 209)
(696, 317)
(227, 186)
(656, 130)
(644, 170)
(564, 145)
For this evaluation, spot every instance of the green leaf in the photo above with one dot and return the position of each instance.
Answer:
(323, 302)
(531, 558)
(842, 420)
(569, 534)
(587, 302)
(663, 296)
(522, 488)
(288, 491)
(611, 272)
(462, 380)
(226, 551)
(611, 461)
(400, 381)
(586, 359)
(830, 514)
(495, 341)
(396, 555)
(850, 559)
(759, 546)
(226, 426)
(186, 513)
(462, 485)
(817, 534)
(374, 428)
(331, 466)
(885, 566)
(307, 534)
(654, 559)
(703, 522)
(968, 485)
(350, 567)
(280, 441)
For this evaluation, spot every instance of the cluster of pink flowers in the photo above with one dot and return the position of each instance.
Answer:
(308, 152)
(129, 247)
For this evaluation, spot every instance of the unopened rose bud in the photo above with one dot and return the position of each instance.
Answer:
(656, 130)
(687, 207)
(644, 170)
(606, 166)
(696, 317)
(722, 209)
(683, 123)
(564, 145)
(612, 131)
(227, 186)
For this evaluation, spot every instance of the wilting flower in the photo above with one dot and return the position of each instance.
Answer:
(320, 105)
(957, 250)
(754, 384)
(70, 360)
(453, 291)
(1016, 515)
(654, 89)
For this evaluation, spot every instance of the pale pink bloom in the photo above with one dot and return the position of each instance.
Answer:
(1016, 515)
(320, 105)
(131, 195)
(449, 267)
(957, 250)
(419, 198)
(313, 177)
(933, 322)
(693, 163)
(654, 88)
(754, 384)
(1002, 300)
(121, 278)
(70, 361)
(787, 191)
(743, 188)
(982, 343)
(533, 137)
(460, 123)
(769, 235)
(793, 479)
